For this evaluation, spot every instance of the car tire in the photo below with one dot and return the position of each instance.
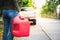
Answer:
(33, 22)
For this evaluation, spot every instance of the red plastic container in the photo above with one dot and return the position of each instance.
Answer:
(20, 27)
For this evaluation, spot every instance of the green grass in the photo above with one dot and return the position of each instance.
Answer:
(1, 19)
(1, 25)
(1, 34)
(1, 30)
(49, 16)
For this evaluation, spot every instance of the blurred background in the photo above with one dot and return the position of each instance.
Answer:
(36, 8)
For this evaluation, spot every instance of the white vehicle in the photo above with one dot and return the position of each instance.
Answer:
(29, 13)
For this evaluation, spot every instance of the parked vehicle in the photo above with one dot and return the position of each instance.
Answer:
(29, 13)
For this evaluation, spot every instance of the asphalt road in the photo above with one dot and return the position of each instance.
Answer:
(45, 29)
(51, 27)
(35, 34)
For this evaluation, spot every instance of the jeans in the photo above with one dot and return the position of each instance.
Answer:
(8, 15)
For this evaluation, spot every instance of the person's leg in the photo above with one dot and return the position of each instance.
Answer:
(12, 14)
(10, 36)
(8, 15)
(6, 26)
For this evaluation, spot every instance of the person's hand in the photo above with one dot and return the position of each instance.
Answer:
(19, 14)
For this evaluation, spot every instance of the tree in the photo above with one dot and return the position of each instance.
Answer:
(50, 7)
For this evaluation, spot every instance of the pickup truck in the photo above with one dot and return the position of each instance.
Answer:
(29, 13)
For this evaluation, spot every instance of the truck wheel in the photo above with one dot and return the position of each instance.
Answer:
(33, 22)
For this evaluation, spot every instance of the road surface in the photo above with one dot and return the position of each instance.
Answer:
(45, 29)
(51, 27)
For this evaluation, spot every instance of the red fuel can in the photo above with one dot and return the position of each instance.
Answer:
(20, 27)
